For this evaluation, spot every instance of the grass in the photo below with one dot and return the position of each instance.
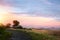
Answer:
(39, 36)
(34, 34)
(4, 35)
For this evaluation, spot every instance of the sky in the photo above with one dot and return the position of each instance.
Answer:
(32, 13)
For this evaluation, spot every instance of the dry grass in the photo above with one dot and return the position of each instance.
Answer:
(50, 32)
(55, 33)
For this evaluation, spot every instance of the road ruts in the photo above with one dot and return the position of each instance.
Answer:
(19, 35)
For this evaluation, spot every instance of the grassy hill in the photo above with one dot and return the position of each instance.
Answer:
(33, 34)
(44, 34)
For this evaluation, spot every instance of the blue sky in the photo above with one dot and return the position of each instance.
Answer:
(44, 8)
(31, 12)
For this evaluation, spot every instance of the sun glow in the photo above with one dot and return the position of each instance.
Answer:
(3, 11)
(1, 19)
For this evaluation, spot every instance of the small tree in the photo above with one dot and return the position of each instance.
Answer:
(16, 24)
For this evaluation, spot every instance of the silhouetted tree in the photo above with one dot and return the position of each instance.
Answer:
(16, 24)
(8, 25)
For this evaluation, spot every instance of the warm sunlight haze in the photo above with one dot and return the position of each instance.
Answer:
(38, 13)
(29, 19)
(2, 13)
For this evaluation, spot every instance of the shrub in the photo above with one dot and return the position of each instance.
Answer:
(4, 35)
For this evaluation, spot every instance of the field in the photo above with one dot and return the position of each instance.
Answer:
(34, 34)
(44, 34)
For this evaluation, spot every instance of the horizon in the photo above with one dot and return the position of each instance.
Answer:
(32, 13)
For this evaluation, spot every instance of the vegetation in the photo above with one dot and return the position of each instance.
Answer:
(42, 36)
(34, 34)
(4, 35)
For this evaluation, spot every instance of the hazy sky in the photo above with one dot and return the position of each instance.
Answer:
(32, 12)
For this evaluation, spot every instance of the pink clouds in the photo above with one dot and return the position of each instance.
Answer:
(26, 19)
(30, 21)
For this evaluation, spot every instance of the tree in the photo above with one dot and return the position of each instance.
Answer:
(16, 24)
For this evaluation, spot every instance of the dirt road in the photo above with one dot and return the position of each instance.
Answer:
(19, 35)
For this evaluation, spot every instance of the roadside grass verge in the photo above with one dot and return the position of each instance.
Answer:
(39, 36)
(4, 35)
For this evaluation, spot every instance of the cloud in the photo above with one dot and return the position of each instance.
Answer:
(31, 21)
(57, 19)
(43, 8)
(47, 2)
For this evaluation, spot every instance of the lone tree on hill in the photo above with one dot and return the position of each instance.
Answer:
(16, 24)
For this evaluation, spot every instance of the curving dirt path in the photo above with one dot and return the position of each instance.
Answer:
(19, 35)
